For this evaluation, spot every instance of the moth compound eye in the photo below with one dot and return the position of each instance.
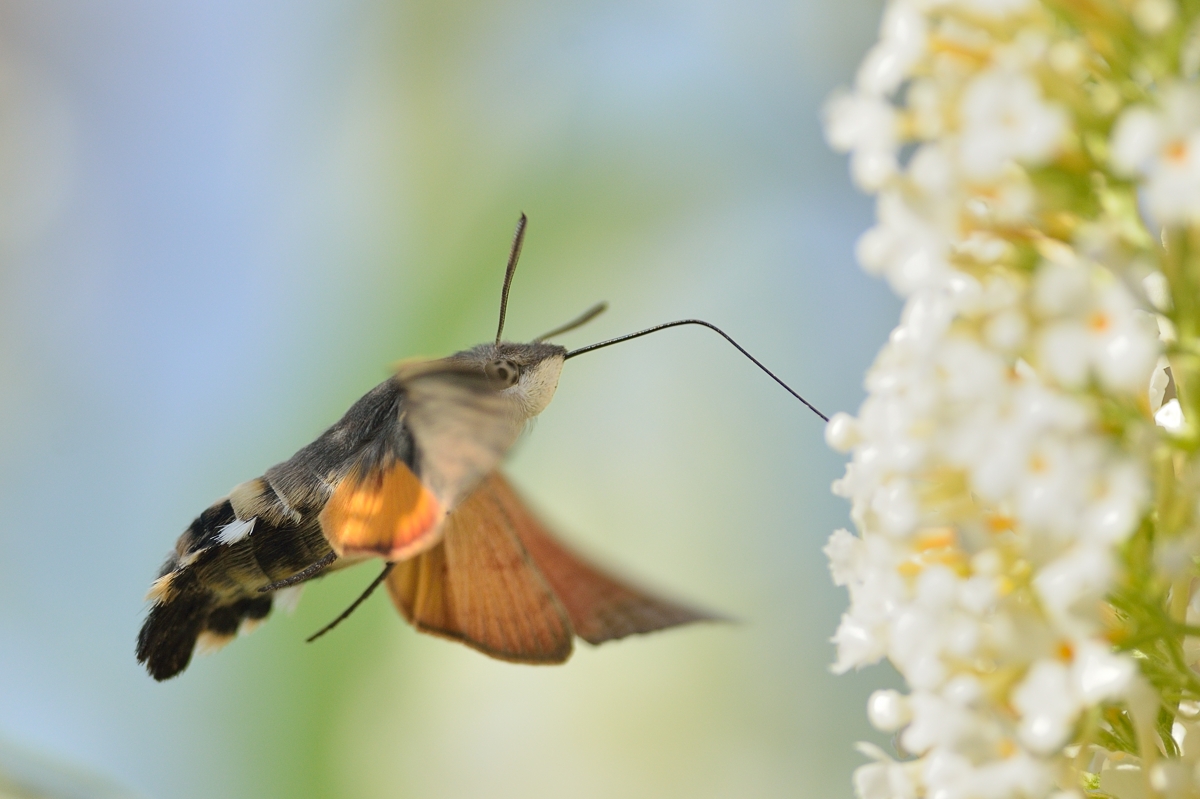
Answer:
(503, 371)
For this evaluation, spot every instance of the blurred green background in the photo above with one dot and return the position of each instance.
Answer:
(221, 221)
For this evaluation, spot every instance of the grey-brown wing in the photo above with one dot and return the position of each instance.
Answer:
(462, 425)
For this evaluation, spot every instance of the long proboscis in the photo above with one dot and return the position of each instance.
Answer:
(715, 329)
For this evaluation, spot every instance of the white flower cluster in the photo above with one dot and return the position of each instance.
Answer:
(989, 503)
(1005, 455)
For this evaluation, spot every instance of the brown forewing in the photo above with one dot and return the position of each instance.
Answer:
(601, 607)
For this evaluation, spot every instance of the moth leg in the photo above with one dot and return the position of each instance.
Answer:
(387, 569)
(308, 572)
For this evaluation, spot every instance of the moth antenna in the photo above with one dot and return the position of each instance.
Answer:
(710, 326)
(513, 255)
(579, 321)
(312, 570)
(353, 605)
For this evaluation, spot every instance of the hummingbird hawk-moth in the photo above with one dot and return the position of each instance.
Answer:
(410, 475)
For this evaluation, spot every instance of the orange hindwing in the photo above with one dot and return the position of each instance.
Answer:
(385, 511)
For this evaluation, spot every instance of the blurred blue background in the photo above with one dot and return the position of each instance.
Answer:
(220, 222)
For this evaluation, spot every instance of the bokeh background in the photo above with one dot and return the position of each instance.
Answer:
(221, 221)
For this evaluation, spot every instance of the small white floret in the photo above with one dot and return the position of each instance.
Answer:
(845, 552)
(888, 710)
(885, 778)
(857, 645)
(1074, 581)
(1158, 290)
(1136, 137)
(842, 433)
(1047, 706)
(860, 122)
(1006, 118)
(1101, 674)
(1170, 416)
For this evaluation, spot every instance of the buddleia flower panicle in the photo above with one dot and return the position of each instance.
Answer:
(1023, 477)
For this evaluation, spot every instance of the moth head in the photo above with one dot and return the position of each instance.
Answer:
(526, 373)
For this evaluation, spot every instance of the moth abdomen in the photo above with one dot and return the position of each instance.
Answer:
(210, 589)
(193, 615)
(225, 620)
(266, 531)
(176, 620)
